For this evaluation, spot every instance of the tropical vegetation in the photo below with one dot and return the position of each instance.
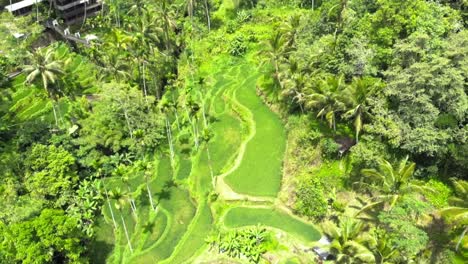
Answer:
(235, 131)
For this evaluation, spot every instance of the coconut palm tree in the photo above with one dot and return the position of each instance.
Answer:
(122, 172)
(109, 204)
(191, 5)
(119, 40)
(137, 8)
(145, 36)
(43, 65)
(392, 182)
(325, 98)
(275, 51)
(148, 173)
(291, 29)
(348, 241)
(167, 18)
(121, 199)
(356, 97)
(457, 212)
(116, 66)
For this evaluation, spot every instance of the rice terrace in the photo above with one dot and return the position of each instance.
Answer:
(233, 131)
(175, 232)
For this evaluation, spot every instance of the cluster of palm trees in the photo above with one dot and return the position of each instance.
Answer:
(330, 97)
(236, 243)
(353, 240)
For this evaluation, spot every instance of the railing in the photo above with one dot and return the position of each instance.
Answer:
(65, 33)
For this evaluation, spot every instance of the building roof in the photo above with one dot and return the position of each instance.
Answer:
(22, 4)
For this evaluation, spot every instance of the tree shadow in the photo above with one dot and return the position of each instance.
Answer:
(438, 231)
(100, 250)
(169, 184)
(149, 226)
(142, 199)
(164, 194)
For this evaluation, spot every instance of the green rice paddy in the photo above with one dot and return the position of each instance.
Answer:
(246, 147)
(251, 216)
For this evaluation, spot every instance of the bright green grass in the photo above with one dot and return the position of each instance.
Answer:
(195, 237)
(153, 236)
(246, 216)
(181, 210)
(225, 142)
(185, 165)
(260, 171)
(292, 261)
(154, 229)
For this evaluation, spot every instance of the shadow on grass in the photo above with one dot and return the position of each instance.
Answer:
(99, 252)
(164, 194)
(149, 226)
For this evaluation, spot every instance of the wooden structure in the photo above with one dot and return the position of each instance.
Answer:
(22, 7)
(71, 11)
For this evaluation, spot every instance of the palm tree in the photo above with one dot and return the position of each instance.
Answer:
(43, 65)
(168, 21)
(356, 96)
(109, 204)
(392, 182)
(383, 250)
(348, 244)
(325, 97)
(121, 200)
(291, 29)
(191, 4)
(457, 212)
(148, 174)
(145, 35)
(122, 173)
(119, 40)
(276, 49)
(138, 7)
(116, 66)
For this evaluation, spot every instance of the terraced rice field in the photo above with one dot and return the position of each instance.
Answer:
(247, 216)
(242, 160)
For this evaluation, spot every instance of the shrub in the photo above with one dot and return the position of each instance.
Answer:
(310, 198)
(231, 26)
(367, 153)
(249, 242)
(237, 46)
(243, 16)
(441, 193)
(329, 148)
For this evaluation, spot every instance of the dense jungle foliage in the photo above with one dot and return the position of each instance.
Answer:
(236, 131)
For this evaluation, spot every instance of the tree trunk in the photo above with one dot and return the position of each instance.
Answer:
(110, 207)
(132, 202)
(277, 73)
(166, 27)
(169, 139)
(144, 82)
(127, 119)
(207, 11)
(37, 12)
(126, 232)
(149, 194)
(55, 113)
